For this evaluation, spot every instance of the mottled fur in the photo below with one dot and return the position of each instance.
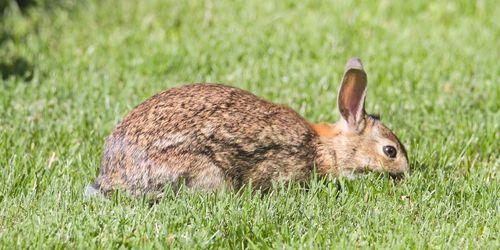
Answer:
(211, 136)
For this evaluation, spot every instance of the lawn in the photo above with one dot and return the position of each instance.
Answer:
(72, 69)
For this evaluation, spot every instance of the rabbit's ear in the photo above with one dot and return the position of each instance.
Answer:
(351, 99)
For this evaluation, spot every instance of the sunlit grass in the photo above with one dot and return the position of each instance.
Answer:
(71, 71)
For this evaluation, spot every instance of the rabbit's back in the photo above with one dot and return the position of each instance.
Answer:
(207, 136)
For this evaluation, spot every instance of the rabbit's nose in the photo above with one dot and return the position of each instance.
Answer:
(406, 166)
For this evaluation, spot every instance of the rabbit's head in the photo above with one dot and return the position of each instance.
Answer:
(359, 142)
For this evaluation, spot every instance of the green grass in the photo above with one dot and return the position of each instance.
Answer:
(71, 71)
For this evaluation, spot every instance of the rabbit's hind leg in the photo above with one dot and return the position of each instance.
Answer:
(206, 176)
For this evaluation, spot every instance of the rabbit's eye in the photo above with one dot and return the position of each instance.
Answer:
(390, 151)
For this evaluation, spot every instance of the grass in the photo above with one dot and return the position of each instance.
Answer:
(71, 71)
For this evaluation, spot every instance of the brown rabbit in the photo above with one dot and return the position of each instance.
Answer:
(211, 136)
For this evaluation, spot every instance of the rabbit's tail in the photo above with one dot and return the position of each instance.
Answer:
(91, 190)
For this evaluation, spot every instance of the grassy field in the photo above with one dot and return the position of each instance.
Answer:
(71, 71)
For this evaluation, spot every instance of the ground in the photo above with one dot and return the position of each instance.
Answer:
(72, 69)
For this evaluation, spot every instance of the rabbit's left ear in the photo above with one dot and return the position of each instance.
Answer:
(351, 99)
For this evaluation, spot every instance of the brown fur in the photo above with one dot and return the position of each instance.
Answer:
(211, 136)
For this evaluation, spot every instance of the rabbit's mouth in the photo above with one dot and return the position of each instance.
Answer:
(352, 173)
(397, 176)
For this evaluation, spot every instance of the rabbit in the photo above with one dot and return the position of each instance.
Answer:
(211, 136)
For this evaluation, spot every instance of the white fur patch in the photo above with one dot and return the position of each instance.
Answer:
(91, 191)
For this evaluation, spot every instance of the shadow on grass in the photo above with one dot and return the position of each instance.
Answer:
(22, 4)
(25, 5)
(16, 67)
(11, 64)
